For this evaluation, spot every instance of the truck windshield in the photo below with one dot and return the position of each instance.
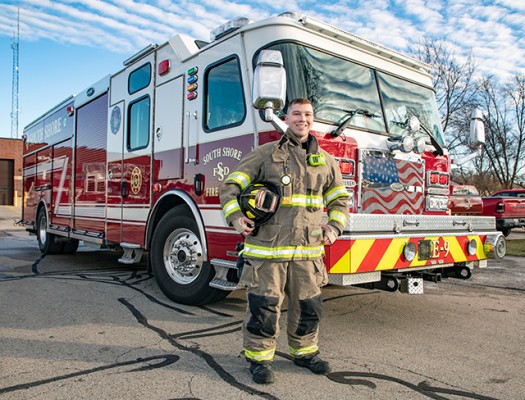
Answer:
(340, 89)
(402, 99)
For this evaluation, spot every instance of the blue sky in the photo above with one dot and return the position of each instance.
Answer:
(67, 45)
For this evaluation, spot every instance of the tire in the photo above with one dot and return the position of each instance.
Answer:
(505, 231)
(463, 273)
(47, 242)
(70, 246)
(500, 249)
(177, 261)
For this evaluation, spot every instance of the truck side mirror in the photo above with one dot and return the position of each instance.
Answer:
(269, 81)
(477, 129)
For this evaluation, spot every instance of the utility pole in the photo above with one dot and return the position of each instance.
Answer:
(14, 88)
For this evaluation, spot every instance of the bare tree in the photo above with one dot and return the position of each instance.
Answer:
(458, 92)
(454, 85)
(503, 107)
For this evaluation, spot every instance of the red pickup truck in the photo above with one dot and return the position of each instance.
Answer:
(465, 200)
(508, 206)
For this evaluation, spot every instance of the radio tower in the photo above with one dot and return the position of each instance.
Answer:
(14, 88)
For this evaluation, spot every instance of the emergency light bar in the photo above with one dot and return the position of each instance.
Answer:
(228, 27)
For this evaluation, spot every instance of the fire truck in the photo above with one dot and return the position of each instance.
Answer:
(136, 161)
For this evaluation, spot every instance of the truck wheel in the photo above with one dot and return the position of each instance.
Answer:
(500, 249)
(70, 247)
(505, 231)
(177, 260)
(47, 242)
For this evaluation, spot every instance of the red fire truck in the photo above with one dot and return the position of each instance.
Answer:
(137, 159)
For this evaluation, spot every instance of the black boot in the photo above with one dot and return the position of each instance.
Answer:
(261, 372)
(314, 364)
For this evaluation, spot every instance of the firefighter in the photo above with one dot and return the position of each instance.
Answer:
(284, 255)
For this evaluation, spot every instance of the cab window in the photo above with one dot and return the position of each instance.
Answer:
(139, 79)
(138, 126)
(224, 99)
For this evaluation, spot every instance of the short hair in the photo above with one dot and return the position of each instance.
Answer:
(298, 100)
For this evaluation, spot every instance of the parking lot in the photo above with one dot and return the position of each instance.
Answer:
(87, 327)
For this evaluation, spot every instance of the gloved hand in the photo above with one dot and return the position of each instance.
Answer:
(329, 235)
(244, 226)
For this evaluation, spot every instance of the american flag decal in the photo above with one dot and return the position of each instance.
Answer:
(382, 174)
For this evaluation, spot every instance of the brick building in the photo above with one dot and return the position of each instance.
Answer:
(10, 171)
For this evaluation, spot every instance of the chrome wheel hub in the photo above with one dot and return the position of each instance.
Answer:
(42, 230)
(183, 256)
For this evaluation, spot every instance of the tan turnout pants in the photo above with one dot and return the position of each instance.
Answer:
(267, 282)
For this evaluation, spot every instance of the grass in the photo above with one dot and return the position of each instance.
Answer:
(516, 248)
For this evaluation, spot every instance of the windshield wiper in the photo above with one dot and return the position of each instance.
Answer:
(439, 149)
(352, 113)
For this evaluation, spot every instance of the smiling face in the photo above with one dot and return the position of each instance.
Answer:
(300, 118)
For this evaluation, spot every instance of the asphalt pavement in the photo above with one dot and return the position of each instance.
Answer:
(8, 216)
(84, 326)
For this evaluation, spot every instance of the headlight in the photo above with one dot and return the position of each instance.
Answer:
(472, 247)
(413, 124)
(421, 146)
(408, 144)
(409, 251)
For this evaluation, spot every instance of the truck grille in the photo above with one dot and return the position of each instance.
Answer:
(390, 185)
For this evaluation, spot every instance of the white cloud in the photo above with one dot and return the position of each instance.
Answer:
(492, 28)
(517, 5)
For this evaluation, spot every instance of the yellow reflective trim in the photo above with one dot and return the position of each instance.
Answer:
(292, 252)
(335, 193)
(359, 251)
(231, 207)
(343, 265)
(240, 178)
(391, 254)
(265, 355)
(304, 351)
(338, 216)
(480, 253)
(302, 200)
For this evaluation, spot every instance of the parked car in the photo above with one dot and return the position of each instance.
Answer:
(508, 206)
(465, 200)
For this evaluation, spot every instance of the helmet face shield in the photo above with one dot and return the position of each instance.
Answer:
(266, 200)
(260, 201)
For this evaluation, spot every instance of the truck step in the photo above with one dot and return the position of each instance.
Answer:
(219, 262)
(223, 284)
(412, 285)
(132, 253)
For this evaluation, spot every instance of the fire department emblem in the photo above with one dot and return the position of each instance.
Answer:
(115, 120)
(136, 180)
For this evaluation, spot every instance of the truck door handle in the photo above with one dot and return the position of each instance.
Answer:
(410, 223)
(123, 189)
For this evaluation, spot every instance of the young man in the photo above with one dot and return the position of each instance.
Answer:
(284, 257)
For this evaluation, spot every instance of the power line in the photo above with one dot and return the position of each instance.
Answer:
(15, 45)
